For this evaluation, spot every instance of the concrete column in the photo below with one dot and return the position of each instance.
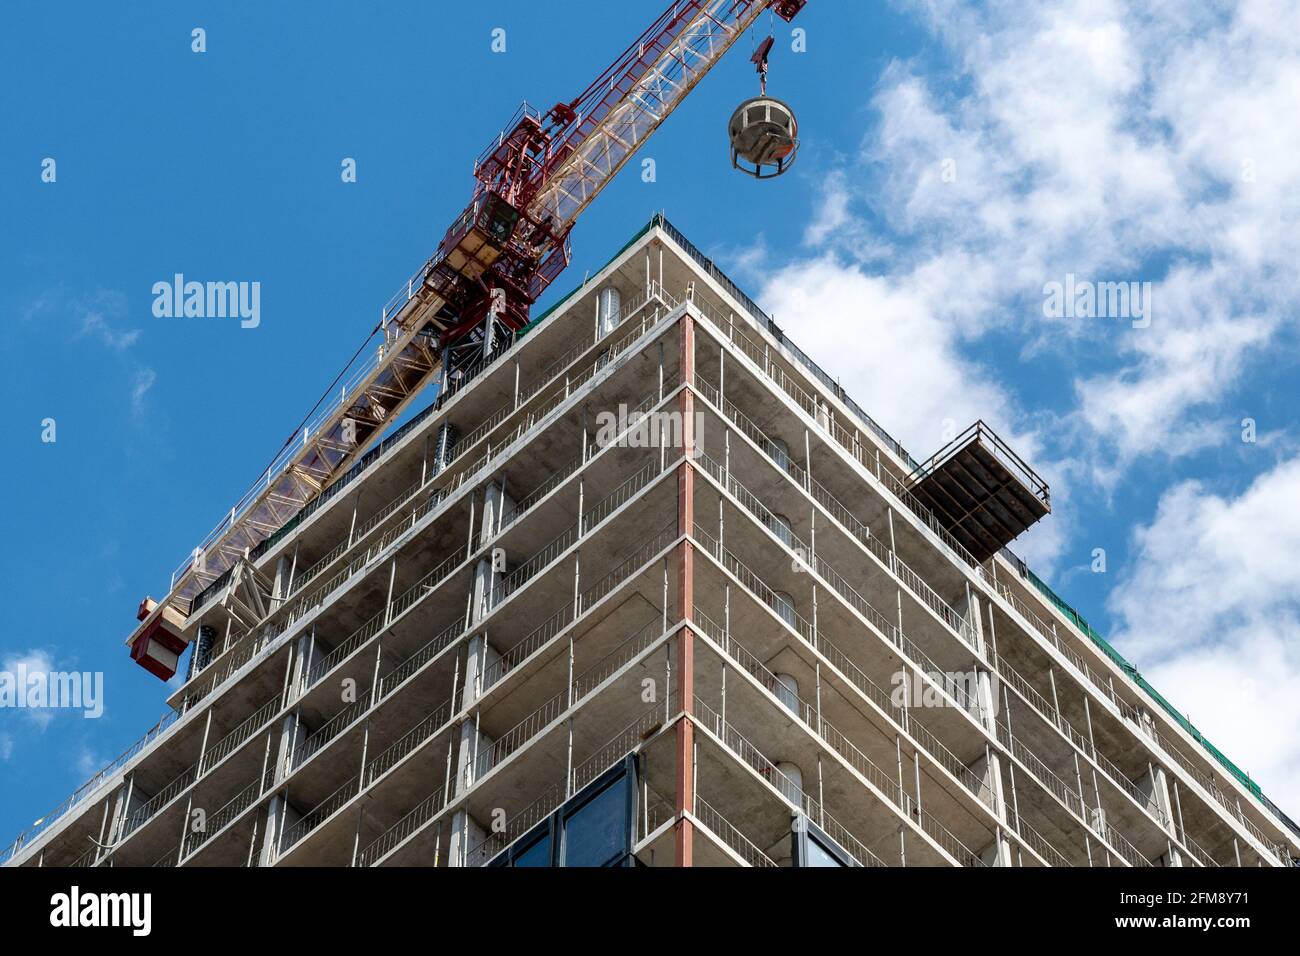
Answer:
(790, 782)
(487, 585)
(787, 692)
(986, 700)
(279, 817)
(204, 648)
(280, 585)
(473, 756)
(467, 836)
(1147, 723)
(782, 528)
(307, 657)
(609, 310)
(968, 606)
(129, 799)
(1154, 786)
(784, 607)
(443, 445)
(988, 769)
(292, 734)
(481, 670)
(997, 853)
(496, 505)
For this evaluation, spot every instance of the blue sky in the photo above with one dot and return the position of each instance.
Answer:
(956, 158)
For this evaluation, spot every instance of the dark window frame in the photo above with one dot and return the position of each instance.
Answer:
(626, 772)
(804, 832)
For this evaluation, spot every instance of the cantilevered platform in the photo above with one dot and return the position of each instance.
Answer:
(981, 491)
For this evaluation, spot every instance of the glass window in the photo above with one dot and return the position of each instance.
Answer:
(539, 854)
(819, 856)
(596, 833)
(812, 847)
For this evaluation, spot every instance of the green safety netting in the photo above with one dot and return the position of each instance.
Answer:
(1084, 628)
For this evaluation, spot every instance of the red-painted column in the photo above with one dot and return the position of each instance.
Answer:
(686, 599)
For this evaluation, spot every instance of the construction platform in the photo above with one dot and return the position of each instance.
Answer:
(981, 491)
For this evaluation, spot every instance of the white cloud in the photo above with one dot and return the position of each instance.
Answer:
(902, 361)
(1211, 612)
(93, 324)
(6, 747)
(97, 318)
(1111, 140)
(1118, 142)
(31, 662)
(143, 381)
(88, 763)
(904, 364)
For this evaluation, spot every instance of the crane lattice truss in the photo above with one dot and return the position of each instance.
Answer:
(676, 63)
(534, 181)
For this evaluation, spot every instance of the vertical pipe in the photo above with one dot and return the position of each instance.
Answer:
(570, 682)
(898, 758)
(1015, 799)
(723, 715)
(819, 704)
(1178, 804)
(821, 793)
(568, 767)
(661, 370)
(916, 763)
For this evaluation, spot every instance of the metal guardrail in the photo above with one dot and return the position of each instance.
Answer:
(89, 787)
(788, 790)
(283, 619)
(615, 749)
(763, 320)
(1000, 450)
(730, 835)
(761, 355)
(914, 583)
(837, 742)
(443, 715)
(805, 630)
(635, 331)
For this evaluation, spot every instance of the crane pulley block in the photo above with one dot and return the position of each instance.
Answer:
(787, 10)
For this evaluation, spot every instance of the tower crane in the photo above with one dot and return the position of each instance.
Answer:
(464, 307)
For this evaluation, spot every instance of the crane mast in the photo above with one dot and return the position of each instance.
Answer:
(464, 306)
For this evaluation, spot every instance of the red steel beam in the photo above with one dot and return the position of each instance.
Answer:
(685, 836)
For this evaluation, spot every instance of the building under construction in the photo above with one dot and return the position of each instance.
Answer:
(650, 589)
(639, 585)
